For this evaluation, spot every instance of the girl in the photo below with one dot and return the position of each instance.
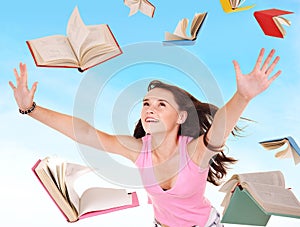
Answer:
(177, 143)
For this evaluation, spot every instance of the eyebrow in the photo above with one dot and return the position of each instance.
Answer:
(160, 100)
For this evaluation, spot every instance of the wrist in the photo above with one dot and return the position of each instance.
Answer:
(28, 110)
(243, 98)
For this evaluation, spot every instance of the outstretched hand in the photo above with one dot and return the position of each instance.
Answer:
(24, 96)
(257, 81)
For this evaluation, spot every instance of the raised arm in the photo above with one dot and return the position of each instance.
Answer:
(75, 128)
(248, 86)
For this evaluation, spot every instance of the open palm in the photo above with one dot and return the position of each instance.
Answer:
(24, 96)
(258, 80)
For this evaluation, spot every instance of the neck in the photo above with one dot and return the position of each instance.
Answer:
(164, 146)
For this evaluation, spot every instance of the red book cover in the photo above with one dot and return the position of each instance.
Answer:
(134, 203)
(266, 22)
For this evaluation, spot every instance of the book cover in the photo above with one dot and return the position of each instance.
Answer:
(228, 8)
(66, 209)
(244, 210)
(287, 146)
(267, 21)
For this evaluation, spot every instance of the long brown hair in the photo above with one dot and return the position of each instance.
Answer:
(199, 120)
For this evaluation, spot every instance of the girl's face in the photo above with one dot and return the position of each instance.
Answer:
(160, 112)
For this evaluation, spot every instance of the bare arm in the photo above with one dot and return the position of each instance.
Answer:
(75, 128)
(248, 86)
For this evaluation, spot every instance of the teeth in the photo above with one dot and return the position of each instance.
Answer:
(151, 120)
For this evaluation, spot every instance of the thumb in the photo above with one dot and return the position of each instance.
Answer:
(33, 88)
(237, 69)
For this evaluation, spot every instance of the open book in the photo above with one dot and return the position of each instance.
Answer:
(230, 6)
(180, 37)
(286, 147)
(271, 22)
(83, 47)
(78, 191)
(251, 198)
(140, 5)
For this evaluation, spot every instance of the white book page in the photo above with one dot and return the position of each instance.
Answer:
(134, 6)
(73, 173)
(169, 36)
(275, 178)
(53, 49)
(273, 198)
(181, 27)
(77, 31)
(100, 39)
(147, 8)
(95, 199)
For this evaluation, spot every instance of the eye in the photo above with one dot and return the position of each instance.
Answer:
(145, 104)
(162, 104)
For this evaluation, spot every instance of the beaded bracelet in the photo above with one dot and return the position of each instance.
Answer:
(211, 147)
(28, 110)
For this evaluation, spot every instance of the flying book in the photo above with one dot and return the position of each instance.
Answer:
(78, 192)
(140, 5)
(83, 47)
(230, 6)
(251, 198)
(271, 22)
(180, 37)
(286, 147)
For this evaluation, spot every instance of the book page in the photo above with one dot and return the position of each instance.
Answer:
(169, 37)
(99, 41)
(45, 176)
(134, 6)
(181, 28)
(72, 174)
(279, 21)
(95, 199)
(275, 178)
(196, 24)
(147, 8)
(53, 50)
(77, 32)
(274, 199)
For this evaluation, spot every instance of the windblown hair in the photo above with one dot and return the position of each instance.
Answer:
(199, 120)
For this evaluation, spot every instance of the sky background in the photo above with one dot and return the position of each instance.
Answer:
(222, 38)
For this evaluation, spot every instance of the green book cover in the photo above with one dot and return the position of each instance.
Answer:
(242, 209)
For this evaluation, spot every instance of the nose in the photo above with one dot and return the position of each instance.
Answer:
(149, 111)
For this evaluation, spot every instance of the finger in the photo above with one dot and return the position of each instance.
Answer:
(23, 74)
(275, 76)
(272, 66)
(12, 85)
(33, 88)
(16, 75)
(260, 58)
(237, 68)
(268, 60)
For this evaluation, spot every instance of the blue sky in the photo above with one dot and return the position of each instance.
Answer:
(222, 38)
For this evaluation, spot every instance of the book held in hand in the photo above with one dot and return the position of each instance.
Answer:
(271, 21)
(180, 37)
(140, 5)
(251, 198)
(286, 147)
(230, 6)
(78, 192)
(83, 47)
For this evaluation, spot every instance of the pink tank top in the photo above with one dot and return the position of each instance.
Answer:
(183, 205)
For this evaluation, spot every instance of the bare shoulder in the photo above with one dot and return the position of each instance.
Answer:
(199, 153)
(128, 146)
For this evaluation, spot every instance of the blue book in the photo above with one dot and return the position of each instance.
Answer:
(180, 37)
(286, 147)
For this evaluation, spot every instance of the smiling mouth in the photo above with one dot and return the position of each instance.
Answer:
(151, 120)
